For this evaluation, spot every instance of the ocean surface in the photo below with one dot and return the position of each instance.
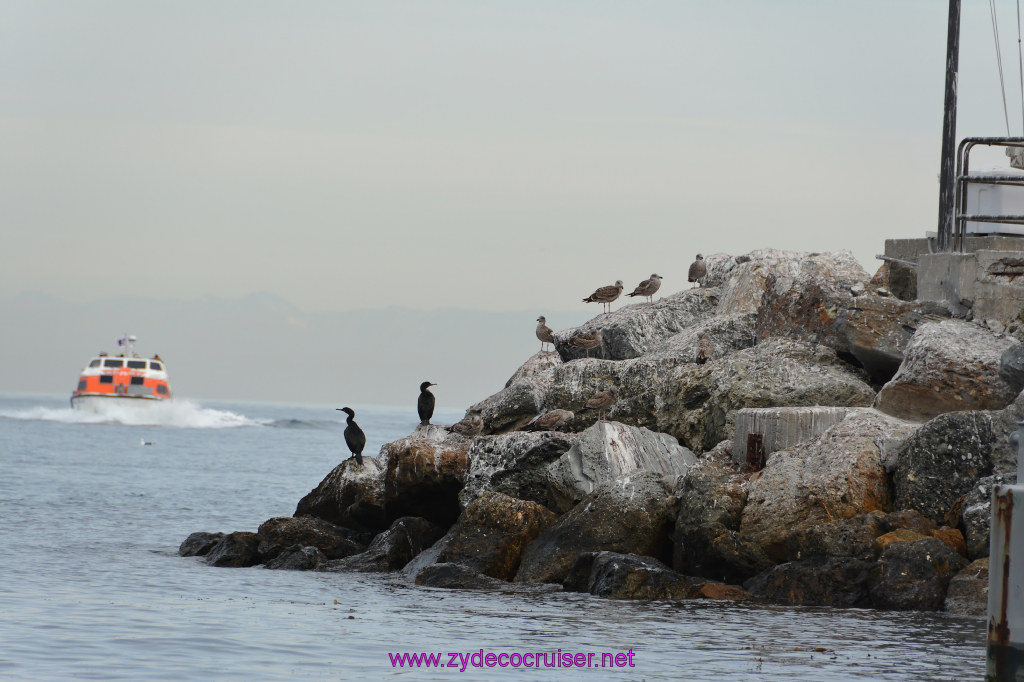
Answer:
(91, 586)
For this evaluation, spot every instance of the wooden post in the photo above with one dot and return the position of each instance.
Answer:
(947, 180)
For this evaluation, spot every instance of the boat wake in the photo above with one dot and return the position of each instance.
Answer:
(176, 413)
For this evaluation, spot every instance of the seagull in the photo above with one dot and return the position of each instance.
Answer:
(705, 349)
(544, 332)
(143, 441)
(648, 288)
(354, 436)
(601, 402)
(425, 403)
(551, 420)
(470, 426)
(605, 295)
(698, 269)
(587, 340)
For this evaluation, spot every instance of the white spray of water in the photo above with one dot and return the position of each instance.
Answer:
(179, 413)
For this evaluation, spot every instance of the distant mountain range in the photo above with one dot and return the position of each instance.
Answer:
(263, 348)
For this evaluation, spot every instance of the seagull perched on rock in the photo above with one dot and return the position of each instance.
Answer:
(648, 288)
(587, 340)
(551, 420)
(355, 439)
(470, 426)
(425, 403)
(544, 332)
(698, 270)
(601, 402)
(705, 349)
(605, 295)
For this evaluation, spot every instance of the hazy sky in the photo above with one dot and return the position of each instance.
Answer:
(506, 155)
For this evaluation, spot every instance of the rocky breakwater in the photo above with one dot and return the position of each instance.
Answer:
(871, 509)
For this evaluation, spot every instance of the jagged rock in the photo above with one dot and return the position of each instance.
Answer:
(423, 477)
(633, 329)
(727, 334)
(297, 558)
(392, 549)
(836, 475)
(705, 541)
(894, 536)
(901, 280)
(352, 495)
(967, 594)
(235, 550)
(607, 451)
(948, 366)
(490, 535)
(632, 516)
(953, 538)
(748, 282)
(199, 544)
(977, 514)
(879, 329)
(852, 537)
(523, 396)
(628, 576)
(514, 464)
(696, 403)
(819, 581)
(281, 533)
(808, 299)
(942, 461)
(1011, 367)
(914, 576)
(457, 577)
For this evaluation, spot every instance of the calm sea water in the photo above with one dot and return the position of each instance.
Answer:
(91, 586)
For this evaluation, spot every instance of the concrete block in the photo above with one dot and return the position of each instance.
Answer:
(781, 427)
(947, 278)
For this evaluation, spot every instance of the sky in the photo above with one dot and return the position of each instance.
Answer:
(491, 155)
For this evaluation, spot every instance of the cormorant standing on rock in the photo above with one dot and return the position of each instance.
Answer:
(544, 332)
(354, 436)
(425, 404)
(698, 270)
(605, 295)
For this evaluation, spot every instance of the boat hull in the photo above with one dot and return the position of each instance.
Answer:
(101, 404)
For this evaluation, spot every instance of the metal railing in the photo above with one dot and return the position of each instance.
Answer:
(954, 237)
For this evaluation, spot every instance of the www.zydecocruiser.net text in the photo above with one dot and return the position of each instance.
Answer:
(463, 660)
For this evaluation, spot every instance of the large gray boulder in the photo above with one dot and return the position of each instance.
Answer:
(523, 396)
(942, 461)
(948, 366)
(914, 576)
(967, 594)
(514, 464)
(818, 581)
(633, 329)
(977, 513)
(697, 403)
(836, 475)
(352, 495)
(879, 329)
(632, 516)
(608, 451)
(705, 539)
(392, 549)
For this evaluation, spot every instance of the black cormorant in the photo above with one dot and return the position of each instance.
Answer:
(425, 404)
(354, 436)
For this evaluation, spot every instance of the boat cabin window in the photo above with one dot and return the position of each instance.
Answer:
(155, 365)
(81, 385)
(137, 364)
(107, 379)
(161, 388)
(137, 381)
(95, 363)
(110, 362)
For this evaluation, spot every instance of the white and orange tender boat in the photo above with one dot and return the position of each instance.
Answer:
(124, 380)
